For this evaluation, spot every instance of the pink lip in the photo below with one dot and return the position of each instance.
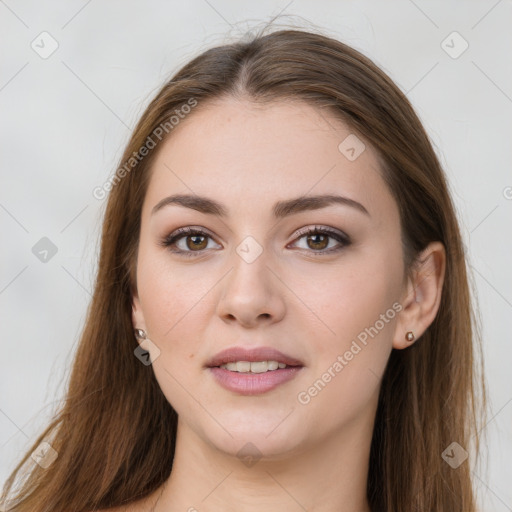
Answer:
(233, 354)
(253, 383)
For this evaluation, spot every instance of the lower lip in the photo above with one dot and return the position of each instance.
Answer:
(253, 383)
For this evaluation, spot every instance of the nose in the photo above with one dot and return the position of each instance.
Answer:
(252, 294)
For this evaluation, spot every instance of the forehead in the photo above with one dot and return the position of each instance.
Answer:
(251, 155)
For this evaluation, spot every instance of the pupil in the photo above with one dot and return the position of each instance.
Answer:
(195, 241)
(318, 242)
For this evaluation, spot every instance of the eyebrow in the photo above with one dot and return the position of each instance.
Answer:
(280, 210)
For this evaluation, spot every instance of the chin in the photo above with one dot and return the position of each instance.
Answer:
(269, 435)
(252, 446)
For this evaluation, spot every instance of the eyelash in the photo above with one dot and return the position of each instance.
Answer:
(171, 239)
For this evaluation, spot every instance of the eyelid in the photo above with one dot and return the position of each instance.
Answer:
(318, 227)
(183, 232)
(343, 239)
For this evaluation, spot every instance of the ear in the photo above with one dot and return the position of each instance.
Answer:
(138, 321)
(422, 295)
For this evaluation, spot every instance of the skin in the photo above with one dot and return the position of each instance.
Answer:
(248, 156)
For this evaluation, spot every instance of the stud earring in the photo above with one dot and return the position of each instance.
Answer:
(409, 336)
(140, 334)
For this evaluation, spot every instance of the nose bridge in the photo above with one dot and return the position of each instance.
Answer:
(249, 260)
(251, 290)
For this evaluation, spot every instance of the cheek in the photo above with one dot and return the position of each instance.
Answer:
(175, 308)
(171, 298)
(357, 305)
(350, 299)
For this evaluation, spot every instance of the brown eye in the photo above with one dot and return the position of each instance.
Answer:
(195, 241)
(318, 239)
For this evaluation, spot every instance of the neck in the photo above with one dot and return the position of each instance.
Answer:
(326, 476)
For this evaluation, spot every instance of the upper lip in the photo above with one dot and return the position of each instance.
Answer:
(233, 354)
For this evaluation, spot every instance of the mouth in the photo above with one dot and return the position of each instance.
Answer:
(254, 366)
(252, 372)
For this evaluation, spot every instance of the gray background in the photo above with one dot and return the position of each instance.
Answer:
(65, 119)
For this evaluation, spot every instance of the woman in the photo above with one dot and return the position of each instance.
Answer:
(281, 316)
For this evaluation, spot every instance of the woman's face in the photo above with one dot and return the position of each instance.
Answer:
(257, 279)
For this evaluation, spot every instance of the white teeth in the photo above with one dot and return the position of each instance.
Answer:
(260, 367)
(253, 367)
(274, 365)
(243, 366)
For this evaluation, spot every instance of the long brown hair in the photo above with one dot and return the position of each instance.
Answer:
(115, 432)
